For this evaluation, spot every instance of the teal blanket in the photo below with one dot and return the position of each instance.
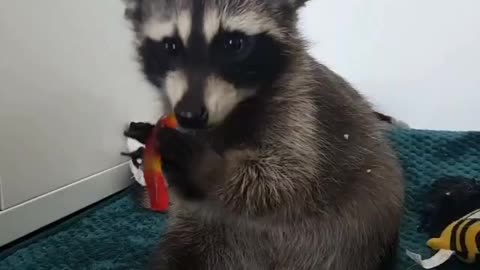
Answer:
(117, 234)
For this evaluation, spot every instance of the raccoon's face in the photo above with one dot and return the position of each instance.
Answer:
(208, 56)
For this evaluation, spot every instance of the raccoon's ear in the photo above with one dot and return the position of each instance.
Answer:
(133, 10)
(298, 3)
(295, 4)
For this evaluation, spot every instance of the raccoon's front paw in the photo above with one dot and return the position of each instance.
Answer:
(180, 154)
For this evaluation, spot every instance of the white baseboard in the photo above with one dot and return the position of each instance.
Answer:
(34, 214)
(2, 203)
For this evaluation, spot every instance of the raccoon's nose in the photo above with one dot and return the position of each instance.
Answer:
(193, 119)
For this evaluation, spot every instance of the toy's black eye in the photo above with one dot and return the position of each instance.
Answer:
(172, 46)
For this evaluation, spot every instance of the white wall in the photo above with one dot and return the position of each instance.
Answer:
(417, 60)
(68, 87)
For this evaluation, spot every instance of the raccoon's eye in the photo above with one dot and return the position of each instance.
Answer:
(234, 43)
(235, 46)
(172, 46)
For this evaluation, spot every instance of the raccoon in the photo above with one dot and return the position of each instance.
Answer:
(279, 162)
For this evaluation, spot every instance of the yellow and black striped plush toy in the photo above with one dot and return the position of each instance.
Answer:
(462, 237)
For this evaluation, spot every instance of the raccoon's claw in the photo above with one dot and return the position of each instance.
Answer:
(179, 153)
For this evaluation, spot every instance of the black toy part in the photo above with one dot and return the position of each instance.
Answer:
(139, 131)
(449, 198)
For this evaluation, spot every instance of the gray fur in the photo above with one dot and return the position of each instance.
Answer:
(138, 11)
(320, 189)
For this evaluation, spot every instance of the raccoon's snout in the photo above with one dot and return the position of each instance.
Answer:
(191, 117)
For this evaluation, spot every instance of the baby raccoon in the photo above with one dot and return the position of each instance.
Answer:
(280, 163)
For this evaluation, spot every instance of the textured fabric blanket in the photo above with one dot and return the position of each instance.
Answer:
(118, 234)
